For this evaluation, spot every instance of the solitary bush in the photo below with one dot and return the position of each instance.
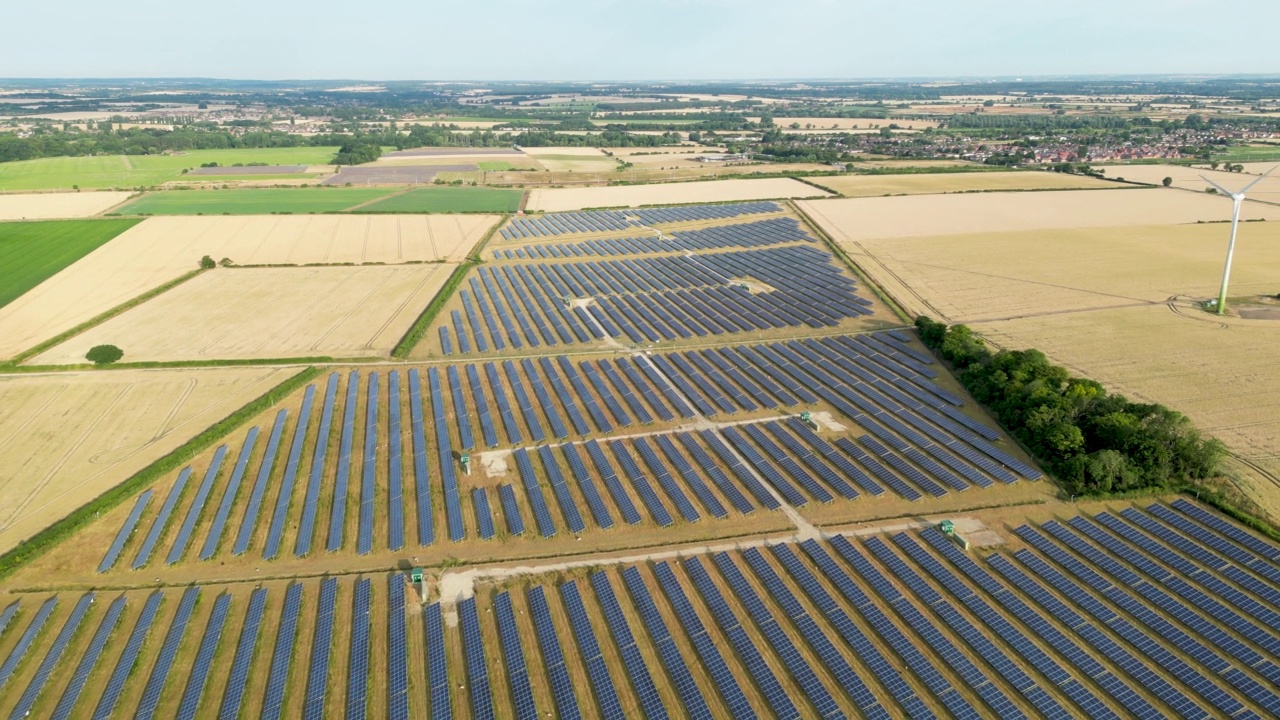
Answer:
(207, 263)
(1167, 181)
(103, 354)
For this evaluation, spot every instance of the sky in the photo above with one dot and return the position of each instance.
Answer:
(635, 40)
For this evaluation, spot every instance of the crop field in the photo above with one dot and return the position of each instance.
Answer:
(1122, 610)
(923, 183)
(162, 249)
(125, 171)
(449, 200)
(269, 313)
(252, 201)
(1267, 190)
(66, 439)
(32, 252)
(53, 206)
(669, 194)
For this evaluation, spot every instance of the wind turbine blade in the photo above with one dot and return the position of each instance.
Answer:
(1221, 189)
(1257, 180)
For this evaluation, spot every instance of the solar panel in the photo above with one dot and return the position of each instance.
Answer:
(632, 660)
(358, 658)
(306, 526)
(523, 707)
(665, 481)
(369, 464)
(88, 660)
(197, 507)
(128, 657)
(560, 488)
(338, 512)
(126, 530)
(162, 519)
(437, 671)
(691, 478)
(484, 515)
(229, 496)
(706, 465)
(641, 483)
(168, 651)
(695, 704)
(321, 646)
(248, 522)
(190, 703)
(395, 467)
(477, 665)
(397, 650)
(588, 487)
(282, 657)
(444, 453)
(52, 656)
(511, 510)
(533, 491)
(233, 696)
(553, 660)
(426, 525)
(287, 482)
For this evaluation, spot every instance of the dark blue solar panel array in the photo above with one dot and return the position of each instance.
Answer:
(484, 514)
(760, 233)
(395, 467)
(249, 522)
(695, 705)
(233, 696)
(477, 665)
(199, 677)
(88, 660)
(368, 491)
(510, 510)
(168, 651)
(338, 511)
(282, 655)
(533, 491)
(128, 657)
(126, 530)
(358, 659)
(552, 224)
(290, 478)
(426, 525)
(522, 707)
(444, 452)
(51, 657)
(553, 660)
(606, 694)
(196, 507)
(397, 650)
(307, 525)
(437, 670)
(229, 496)
(560, 488)
(632, 660)
(321, 647)
(162, 519)
(24, 643)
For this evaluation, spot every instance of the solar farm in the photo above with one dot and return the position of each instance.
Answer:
(658, 462)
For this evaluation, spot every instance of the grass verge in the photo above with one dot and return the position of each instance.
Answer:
(42, 541)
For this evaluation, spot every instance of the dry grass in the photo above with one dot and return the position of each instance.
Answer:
(162, 249)
(1190, 178)
(668, 194)
(66, 439)
(269, 313)
(49, 206)
(859, 219)
(870, 185)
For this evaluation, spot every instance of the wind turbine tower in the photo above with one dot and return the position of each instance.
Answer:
(1237, 199)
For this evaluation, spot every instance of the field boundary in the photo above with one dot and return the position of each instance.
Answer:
(881, 293)
(98, 320)
(77, 519)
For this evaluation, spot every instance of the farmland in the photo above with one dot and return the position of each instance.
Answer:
(1188, 178)
(254, 201)
(159, 250)
(668, 194)
(54, 206)
(93, 431)
(924, 183)
(448, 200)
(268, 313)
(32, 252)
(125, 171)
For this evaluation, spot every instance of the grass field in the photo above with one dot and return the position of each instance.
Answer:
(106, 171)
(449, 200)
(1249, 153)
(255, 201)
(32, 252)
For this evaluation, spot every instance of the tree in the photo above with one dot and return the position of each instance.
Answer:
(207, 263)
(1167, 181)
(104, 354)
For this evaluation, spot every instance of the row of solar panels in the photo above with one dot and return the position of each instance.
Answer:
(650, 299)
(1145, 614)
(600, 221)
(901, 628)
(761, 233)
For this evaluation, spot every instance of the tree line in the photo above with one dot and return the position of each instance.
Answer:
(1093, 441)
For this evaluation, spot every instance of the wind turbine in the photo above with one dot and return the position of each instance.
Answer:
(1237, 199)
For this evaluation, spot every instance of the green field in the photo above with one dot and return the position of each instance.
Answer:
(252, 201)
(32, 252)
(501, 165)
(1249, 153)
(126, 171)
(449, 200)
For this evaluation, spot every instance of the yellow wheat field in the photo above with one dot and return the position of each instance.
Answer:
(162, 249)
(555, 200)
(66, 439)
(1188, 178)
(49, 206)
(249, 313)
(919, 184)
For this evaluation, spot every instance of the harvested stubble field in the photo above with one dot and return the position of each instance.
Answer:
(162, 249)
(32, 252)
(855, 220)
(250, 313)
(637, 174)
(1189, 178)
(106, 171)
(66, 439)
(924, 183)
(669, 194)
(49, 206)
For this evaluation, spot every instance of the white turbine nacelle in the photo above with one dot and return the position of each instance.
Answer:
(1237, 199)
